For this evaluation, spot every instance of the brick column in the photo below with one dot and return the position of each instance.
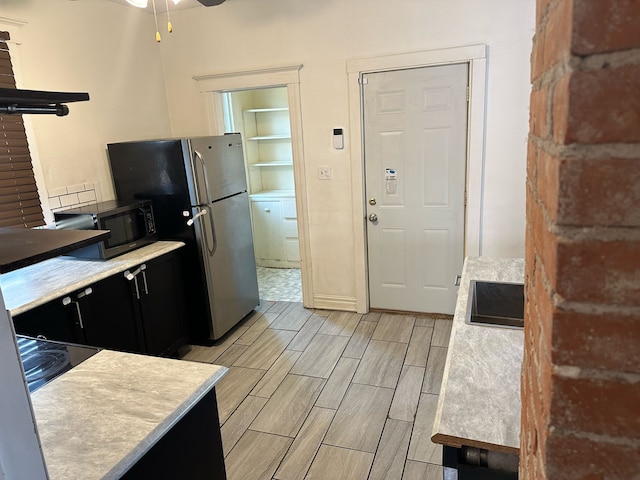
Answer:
(581, 371)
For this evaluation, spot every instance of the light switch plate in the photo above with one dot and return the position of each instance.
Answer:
(324, 173)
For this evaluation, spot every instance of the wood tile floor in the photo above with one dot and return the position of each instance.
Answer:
(315, 394)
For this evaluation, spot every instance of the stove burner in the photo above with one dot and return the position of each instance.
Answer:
(44, 360)
(45, 365)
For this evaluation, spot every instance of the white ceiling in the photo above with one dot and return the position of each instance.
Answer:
(161, 5)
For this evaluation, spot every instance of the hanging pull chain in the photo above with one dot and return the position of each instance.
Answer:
(169, 25)
(155, 17)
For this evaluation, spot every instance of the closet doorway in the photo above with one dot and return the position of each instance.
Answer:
(262, 117)
(218, 91)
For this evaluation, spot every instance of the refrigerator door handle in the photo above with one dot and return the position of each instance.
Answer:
(198, 155)
(211, 249)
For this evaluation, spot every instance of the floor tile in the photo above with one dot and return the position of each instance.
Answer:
(306, 333)
(202, 354)
(280, 284)
(231, 354)
(392, 451)
(435, 370)
(441, 333)
(321, 356)
(421, 447)
(274, 376)
(340, 323)
(419, 345)
(233, 388)
(256, 456)
(278, 307)
(256, 329)
(238, 423)
(360, 339)
(289, 406)
(340, 463)
(394, 328)
(381, 364)
(372, 317)
(304, 447)
(425, 322)
(338, 382)
(293, 318)
(266, 349)
(407, 394)
(422, 471)
(360, 418)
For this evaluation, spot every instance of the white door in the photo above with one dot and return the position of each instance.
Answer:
(415, 138)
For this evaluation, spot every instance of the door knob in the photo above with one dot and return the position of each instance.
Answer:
(373, 217)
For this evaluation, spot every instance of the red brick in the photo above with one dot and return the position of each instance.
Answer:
(603, 107)
(557, 34)
(603, 407)
(598, 341)
(532, 162)
(573, 458)
(537, 56)
(560, 108)
(605, 26)
(603, 192)
(541, 10)
(538, 113)
(548, 184)
(599, 272)
(545, 243)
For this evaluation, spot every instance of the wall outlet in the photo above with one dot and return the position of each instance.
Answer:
(324, 173)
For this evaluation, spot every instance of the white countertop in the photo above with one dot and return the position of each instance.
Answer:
(479, 403)
(96, 420)
(37, 284)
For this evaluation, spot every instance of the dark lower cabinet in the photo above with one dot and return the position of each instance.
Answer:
(158, 300)
(141, 310)
(191, 450)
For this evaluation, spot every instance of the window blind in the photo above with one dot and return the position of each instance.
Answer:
(19, 200)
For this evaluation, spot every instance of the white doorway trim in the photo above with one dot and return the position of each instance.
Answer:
(475, 55)
(214, 85)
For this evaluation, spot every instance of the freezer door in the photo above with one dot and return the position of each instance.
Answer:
(216, 168)
(226, 246)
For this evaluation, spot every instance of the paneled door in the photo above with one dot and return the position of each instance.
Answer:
(415, 140)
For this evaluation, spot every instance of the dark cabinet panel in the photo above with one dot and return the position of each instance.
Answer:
(51, 321)
(158, 288)
(141, 310)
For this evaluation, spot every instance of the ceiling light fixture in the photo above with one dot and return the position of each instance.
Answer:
(139, 3)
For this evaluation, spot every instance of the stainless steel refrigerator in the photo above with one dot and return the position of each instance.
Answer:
(199, 192)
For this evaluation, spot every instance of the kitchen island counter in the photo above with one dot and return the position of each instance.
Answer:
(101, 417)
(479, 403)
(38, 284)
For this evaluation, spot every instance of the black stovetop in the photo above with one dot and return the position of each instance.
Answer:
(44, 360)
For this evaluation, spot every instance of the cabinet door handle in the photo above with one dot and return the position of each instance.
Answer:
(79, 315)
(267, 210)
(85, 292)
(144, 279)
(135, 281)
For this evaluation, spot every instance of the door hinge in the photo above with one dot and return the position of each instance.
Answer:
(465, 198)
(468, 93)
(363, 80)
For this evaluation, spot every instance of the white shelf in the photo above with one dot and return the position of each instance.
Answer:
(265, 194)
(270, 137)
(272, 164)
(263, 110)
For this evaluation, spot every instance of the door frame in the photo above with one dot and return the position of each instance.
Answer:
(213, 86)
(476, 57)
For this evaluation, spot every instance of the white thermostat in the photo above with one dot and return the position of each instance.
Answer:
(338, 139)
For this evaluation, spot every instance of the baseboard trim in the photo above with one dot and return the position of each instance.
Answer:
(334, 302)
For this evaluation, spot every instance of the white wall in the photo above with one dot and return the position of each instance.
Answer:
(93, 46)
(109, 50)
(252, 34)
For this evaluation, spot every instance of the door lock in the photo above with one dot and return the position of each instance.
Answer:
(372, 201)
(373, 217)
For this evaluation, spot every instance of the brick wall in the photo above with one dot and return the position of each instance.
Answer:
(581, 370)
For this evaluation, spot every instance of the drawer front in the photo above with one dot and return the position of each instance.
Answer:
(289, 208)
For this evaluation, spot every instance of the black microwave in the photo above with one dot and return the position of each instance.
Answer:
(131, 225)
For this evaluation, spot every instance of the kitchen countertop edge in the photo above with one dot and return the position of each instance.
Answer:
(74, 432)
(479, 349)
(35, 285)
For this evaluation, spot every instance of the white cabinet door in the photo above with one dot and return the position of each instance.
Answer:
(268, 235)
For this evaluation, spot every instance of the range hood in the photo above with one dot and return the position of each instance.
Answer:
(18, 101)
